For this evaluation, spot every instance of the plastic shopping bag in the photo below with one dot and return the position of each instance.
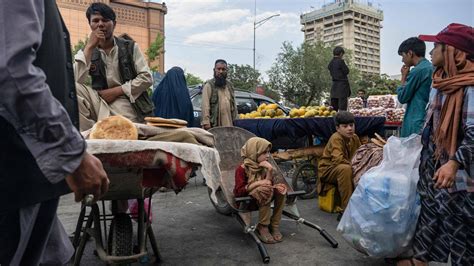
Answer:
(381, 217)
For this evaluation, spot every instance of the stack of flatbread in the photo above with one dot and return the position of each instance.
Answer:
(114, 127)
(379, 141)
(163, 122)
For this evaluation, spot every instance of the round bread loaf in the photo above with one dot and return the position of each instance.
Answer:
(114, 127)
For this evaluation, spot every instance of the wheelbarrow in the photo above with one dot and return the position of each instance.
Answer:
(229, 141)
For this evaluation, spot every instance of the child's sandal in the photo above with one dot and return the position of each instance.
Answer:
(277, 236)
(264, 235)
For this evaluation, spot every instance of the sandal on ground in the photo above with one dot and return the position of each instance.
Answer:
(277, 236)
(264, 235)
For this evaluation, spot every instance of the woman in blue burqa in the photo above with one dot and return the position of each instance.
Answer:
(171, 97)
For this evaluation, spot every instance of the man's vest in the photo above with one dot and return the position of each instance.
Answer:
(214, 102)
(143, 105)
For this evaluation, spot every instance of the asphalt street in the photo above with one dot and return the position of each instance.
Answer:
(190, 232)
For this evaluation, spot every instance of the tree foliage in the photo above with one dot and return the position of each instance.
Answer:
(243, 77)
(155, 50)
(300, 74)
(79, 46)
(192, 80)
(269, 92)
(378, 84)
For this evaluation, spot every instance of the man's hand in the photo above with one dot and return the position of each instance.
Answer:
(96, 37)
(206, 126)
(110, 95)
(89, 178)
(404, 70)
(446, 174)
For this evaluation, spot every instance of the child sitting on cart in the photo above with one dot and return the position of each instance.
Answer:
(254, 178)
(334, 168)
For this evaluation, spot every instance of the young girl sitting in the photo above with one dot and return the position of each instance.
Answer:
(254, 178)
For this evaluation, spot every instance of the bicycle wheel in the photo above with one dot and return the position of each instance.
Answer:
(305, 178)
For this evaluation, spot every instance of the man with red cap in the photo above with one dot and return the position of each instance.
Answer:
(446, 185)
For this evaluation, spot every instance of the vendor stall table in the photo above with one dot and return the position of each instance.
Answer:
(293, 130)
(392, 128)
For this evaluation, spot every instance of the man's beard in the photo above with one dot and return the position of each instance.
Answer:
(220, 81)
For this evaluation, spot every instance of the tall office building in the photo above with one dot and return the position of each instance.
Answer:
(141, 20)
(350, 24)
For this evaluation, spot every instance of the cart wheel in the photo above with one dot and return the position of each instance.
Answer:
(305, 178)
(120, 237)
(222, 206)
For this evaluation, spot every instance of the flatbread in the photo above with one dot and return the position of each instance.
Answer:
(164, 125)
(166, 121)
(114, 127)
(377, 142)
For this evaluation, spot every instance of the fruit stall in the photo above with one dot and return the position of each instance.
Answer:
(380, 105)
(301, 136)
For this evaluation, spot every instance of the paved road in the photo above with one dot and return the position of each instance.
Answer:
(190, 232)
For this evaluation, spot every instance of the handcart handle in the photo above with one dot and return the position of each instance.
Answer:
(263, 253)
(329, 238)
(88, 200)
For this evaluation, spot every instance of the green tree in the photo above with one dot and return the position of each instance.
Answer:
(300, 74)
(378, 84)
(79, 46)
(270, 92)
(155, 50)
(243, 77)
(192, 80)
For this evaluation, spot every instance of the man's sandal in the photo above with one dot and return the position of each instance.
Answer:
(264, 235)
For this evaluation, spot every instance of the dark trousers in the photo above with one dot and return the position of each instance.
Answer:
(10, 233)
(339, 104)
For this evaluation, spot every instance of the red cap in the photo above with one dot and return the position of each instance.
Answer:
(458, 35)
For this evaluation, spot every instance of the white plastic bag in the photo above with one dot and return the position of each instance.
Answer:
(381, 217)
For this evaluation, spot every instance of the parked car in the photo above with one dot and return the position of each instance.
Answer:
(246, 102)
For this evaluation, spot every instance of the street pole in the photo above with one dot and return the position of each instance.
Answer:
(257, 24)
(254, 29)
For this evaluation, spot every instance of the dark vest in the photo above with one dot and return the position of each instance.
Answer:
(25, 182)
(143, 105)
(214, 102)
(126, 65)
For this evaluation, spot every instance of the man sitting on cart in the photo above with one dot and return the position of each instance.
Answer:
(334, 167)
(254, 178)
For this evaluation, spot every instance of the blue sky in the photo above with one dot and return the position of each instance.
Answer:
(199, 31)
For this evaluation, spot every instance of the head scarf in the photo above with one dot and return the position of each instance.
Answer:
(171, 97)
(457, 73)
(250, 152)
